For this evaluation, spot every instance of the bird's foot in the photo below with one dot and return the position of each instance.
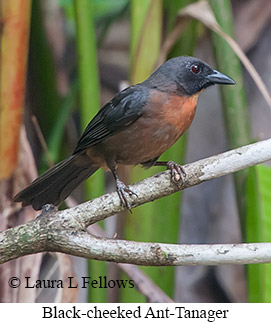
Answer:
(178, 173)
(123, 190)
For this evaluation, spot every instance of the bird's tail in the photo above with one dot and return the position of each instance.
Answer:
(56, 184)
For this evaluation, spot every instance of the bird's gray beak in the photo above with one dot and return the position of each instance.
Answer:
(219, 78)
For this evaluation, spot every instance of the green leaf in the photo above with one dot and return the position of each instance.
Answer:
(90, 104)
(259, 230)
(233, 98)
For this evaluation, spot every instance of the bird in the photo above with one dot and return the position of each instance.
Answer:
(134, 128)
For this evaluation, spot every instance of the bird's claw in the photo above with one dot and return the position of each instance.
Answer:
(123, 190)
(178, 173)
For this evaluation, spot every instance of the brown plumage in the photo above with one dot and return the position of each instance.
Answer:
(135, 127)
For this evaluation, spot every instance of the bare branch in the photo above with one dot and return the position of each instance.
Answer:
(160, 185)
(144, 283)
(160, 254)
(65, 231)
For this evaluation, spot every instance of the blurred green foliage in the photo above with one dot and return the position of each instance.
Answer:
(233, 99)
(259, 230)
(87, 23)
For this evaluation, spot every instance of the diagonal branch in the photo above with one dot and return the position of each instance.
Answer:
(65, 231)
(159, 185)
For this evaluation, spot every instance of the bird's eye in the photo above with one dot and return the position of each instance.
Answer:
(195, 68)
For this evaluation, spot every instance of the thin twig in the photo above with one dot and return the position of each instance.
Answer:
(42, 141)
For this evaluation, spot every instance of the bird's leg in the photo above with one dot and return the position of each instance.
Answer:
(177, 171)
(122, 190)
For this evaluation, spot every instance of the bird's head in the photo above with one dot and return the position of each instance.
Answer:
(186, 75)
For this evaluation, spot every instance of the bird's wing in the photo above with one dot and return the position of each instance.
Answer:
(124, 109)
